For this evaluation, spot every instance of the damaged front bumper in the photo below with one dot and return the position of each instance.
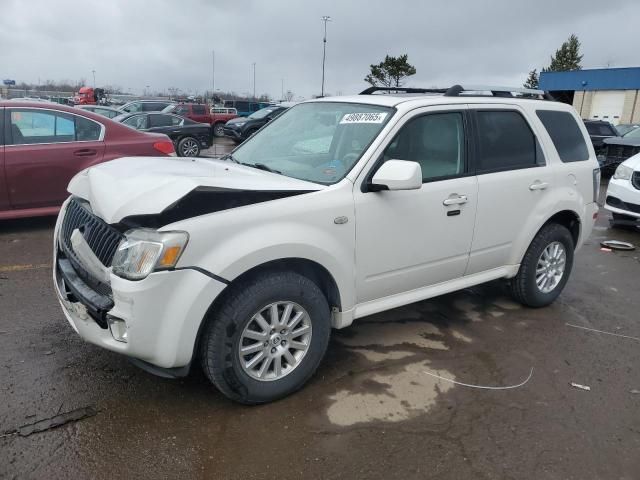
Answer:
(158, 317)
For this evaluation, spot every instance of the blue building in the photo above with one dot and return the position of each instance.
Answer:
(609, 94)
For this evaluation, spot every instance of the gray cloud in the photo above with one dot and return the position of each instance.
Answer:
(134, 43)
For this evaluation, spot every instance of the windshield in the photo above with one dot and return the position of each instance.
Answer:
(635, 133)
(318, 142)
(262, 113)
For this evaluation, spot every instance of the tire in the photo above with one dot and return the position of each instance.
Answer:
(218, 130)
(224, 332)
(524, 286)
(188, 147)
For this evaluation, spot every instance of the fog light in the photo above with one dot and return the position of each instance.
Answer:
(118, 328)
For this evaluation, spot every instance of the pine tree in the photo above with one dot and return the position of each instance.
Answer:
(532, 80)
(391, 72)
(567, 57)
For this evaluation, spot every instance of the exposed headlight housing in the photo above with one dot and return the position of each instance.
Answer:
(623, 172)
(145, 250)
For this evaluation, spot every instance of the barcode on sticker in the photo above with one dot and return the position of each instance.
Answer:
(363, 118)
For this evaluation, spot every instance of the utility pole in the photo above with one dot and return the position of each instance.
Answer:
(254, 80)
(325, 19)
(213, 74)
(94, 78)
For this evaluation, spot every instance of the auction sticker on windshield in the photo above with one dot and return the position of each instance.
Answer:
(364, 118)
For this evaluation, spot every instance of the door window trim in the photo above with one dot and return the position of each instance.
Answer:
(469, 150)
(475, 132)
(9, 137)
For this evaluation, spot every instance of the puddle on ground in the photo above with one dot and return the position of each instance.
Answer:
(388, 397)
(394, 333)
(381, 356)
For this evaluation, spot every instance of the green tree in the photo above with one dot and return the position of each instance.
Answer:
(567, 57)
(532, 80)
(391, 72)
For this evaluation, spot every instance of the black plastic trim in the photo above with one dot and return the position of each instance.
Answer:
(177, 372)
(204, 272)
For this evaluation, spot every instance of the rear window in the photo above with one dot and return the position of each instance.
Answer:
(565, 134)
(599, 129)
(505, 141)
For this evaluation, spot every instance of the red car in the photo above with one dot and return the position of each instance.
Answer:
(43, 145)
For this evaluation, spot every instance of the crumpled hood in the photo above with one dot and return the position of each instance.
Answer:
(147, 185)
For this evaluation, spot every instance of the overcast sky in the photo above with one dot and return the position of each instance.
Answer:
(162, 43)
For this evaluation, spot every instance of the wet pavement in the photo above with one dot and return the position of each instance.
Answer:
(371, 411)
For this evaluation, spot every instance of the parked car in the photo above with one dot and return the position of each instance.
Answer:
(618, 149)
(623, 129)
(342, 208)
(201, 113)
(599, 130)
(43, 145)
(108, 112)
(245, 108)
(189, 137)
(144, 106)
(623, 192)
(241, 128)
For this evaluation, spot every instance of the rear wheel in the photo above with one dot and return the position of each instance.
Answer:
(218, 130)
(545, 268)
(188, 147)
(267, 338)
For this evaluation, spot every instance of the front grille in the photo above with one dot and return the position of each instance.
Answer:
(617, 203)
(635, 180)
(100, 236)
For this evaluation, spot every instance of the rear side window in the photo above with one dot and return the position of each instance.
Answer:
(505, 141)
(87, 130)
(160, 120)
(565, 134)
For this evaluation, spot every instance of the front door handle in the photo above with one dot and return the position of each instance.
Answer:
(538, 185)
(85, 152)
(455, 200)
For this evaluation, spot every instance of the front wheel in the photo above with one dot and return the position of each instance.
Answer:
(267, 338)
(188, 147)
(545, 268)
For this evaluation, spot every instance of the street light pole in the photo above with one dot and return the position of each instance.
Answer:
(213, 73)
(325, 19)
(254, 80)
(94, 78)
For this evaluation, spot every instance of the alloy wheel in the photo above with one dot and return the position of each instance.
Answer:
(550, 267)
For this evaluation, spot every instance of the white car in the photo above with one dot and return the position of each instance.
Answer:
(338, 209)
(623, 192)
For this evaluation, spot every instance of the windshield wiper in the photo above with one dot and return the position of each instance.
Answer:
(262, 166)
(230, 157)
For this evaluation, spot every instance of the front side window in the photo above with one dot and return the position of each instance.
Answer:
(319, 142)
(33, 126)
(133, 107)
(505, 141)
(199, 110)
(139, 122)
(565, 135)
(435, 141)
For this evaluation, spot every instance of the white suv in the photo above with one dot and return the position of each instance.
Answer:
(338, 209)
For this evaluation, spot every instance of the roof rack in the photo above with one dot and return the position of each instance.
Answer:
(468, 91)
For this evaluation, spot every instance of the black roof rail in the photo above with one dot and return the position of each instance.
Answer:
(459, 91)
(372, 90)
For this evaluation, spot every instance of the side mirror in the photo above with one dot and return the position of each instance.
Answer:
(397, 175)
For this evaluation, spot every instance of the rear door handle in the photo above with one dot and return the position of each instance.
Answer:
(85, 152)
(455, 200)
(538, 185)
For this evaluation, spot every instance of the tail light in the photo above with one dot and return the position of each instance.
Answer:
(596, 184)
(166, 147)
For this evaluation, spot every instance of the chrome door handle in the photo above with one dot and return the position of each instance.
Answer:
(455, 200)
(538, 185)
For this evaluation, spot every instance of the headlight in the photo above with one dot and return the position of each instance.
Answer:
(623, 172)
(238, 124)
(144, 251)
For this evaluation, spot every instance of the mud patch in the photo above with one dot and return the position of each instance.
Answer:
(404, 395)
